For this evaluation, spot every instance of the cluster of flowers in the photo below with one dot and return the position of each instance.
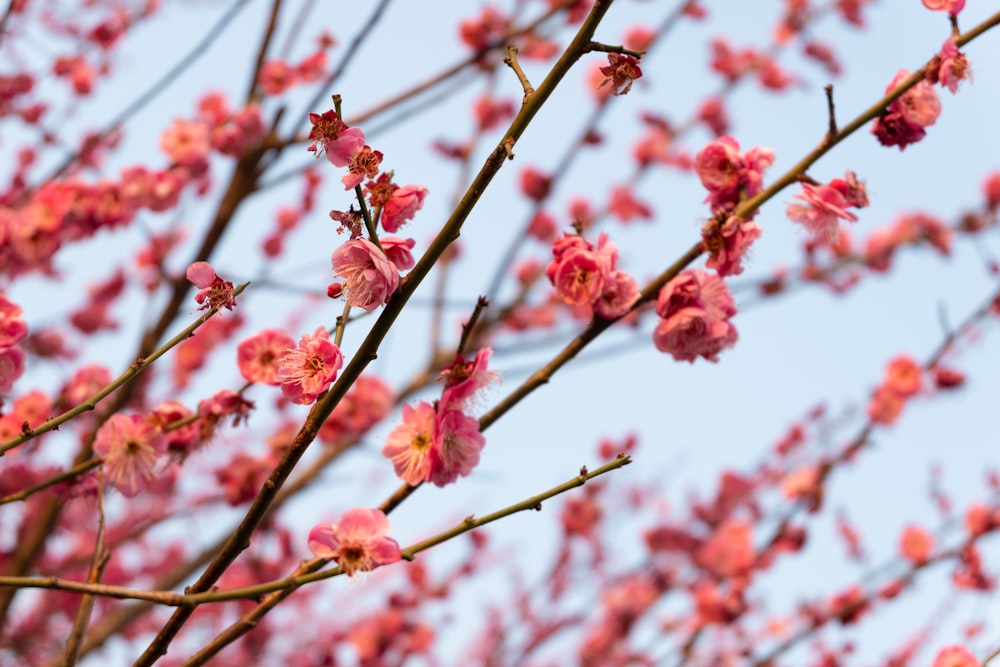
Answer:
(302, 372)
(695, 308)
(586, 276)
(434, 443)
(369, 268)
(904, 380)
(13, 329)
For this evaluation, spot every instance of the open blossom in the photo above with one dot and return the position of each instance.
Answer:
(332, 136)
(398, 250)
(369, 277)
(695, 308)
(364, 163)
(257, 356)
(903, 380)
(307, 371)
(186, 142)
(214, 291)
(132, 449)
(359, 542)
(902, 123)
(402, 205)
(729, 176)
(409, 445)
(916, 544)
(621, 71)
(464, 379)
(727, 244)
(459, 443)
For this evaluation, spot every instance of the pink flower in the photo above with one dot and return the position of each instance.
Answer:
(626, 207)
(903, 122)
(695, 307)
(953, 7)
(728, 244)
(464, 379)
(364, 163)
(276, 76)
(952, 67)
(459, 444)
(397, 249)
(402, 206)
(369, 277)
(728, 176)
(307, 371)
(916, 544)
(215, 292)
(13, 328)
(620, 293)
(11, 367)
(579, 277)
(621, 71)
(534, 184)
(825, 205)
(257, 356)
(332, 135)
(358, 542)
(186, 142)
(729, 551)
(904, 376)
(954, 656)
(132, 449)
(409, 445)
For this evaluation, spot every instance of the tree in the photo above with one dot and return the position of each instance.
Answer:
(245, 396)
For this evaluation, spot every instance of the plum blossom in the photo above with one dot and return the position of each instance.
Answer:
(369, 277)
(902, 123)
(459, 443)
(727, 244)
(359, 542)
(307, 371)
(916, 544)
(729, 176)
(953, 7)
(401, 206)
(621, 71)
(954, 656)
(585, 275)
(132, 449)
(398, 250)
(409, 444)
(464, 379)
(214, 291)
(949, 67)
(824, 206)
(257, 356)
(332, 136)
(695, 308)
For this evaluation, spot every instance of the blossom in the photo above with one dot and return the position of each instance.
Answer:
(695, 308)
(729, 176)
(132, 449)
(621, 71)
(954, 656)
(620, 293)
(824, 206)
(214, 291)
(397, 249)
(186, 142)
(459, 443)
(332, 135)
(464, 379)
(358, 542)
(364, 163)
(307, 371)
(949, 67)
(902, 123)
(257, 356)
(916, 544)
(11, 367)
(409, 445)
(728, 244)
(402, 206)
(953, 7)
(369, 277)
(534, 184)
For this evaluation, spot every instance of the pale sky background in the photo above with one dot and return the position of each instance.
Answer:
(693, 421)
